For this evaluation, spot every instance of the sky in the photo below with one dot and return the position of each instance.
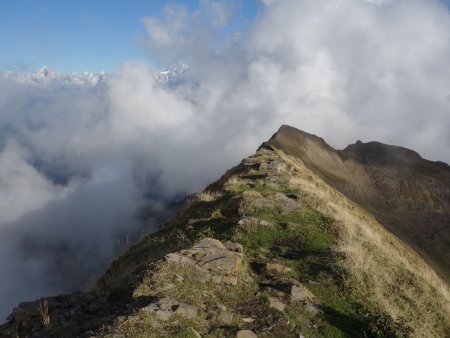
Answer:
(87, 163)
(82, 35)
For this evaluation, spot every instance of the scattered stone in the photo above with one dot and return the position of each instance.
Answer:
(209, 243)
(276, 267)
(277, 167)
(300, 293)
(264, 223)
(230, 280)
(246, 334)
(248, 320)
(202, 275)
(253, 221)
(217, 279)
(234, 247)
(270, 200)
(248, 221)
(312, 309)
(164, 308)
(225, 318)
(276, 304)
(187, 311)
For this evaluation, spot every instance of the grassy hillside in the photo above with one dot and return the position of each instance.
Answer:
(409, 195)
(295, 258)
(361, 280)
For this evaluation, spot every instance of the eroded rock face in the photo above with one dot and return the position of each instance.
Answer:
(212, 259)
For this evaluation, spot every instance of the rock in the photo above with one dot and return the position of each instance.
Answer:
(202, 275)
(164, 308)
(121, 319)
(276, 304)
(300, 293)
(246, 334)
(248, 320)
(277, 167)
(312, 309)
(217, 279)
(178, 257)
(212, 260)
(234, 247)
(264, 223)
(209, 243)
(225, 318)
(221, 262)
(276, 200)
(277, 267)
(187, 311)
(248, 221)
(253, 221)
(195, 333)
(230, 280)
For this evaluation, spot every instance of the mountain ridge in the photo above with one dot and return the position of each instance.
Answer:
(270, 249)
(409, 195)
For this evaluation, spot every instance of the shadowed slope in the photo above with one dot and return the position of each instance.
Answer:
(409, 195)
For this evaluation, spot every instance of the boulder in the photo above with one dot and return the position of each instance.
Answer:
(246, 334)
(277, 267)
(276, 304)
(299, 293)
(273, 200)
(212, 260)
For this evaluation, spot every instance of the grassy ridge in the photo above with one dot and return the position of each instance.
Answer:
(363, 282)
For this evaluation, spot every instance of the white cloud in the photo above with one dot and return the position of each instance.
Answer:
(77, 159)
(22, 188)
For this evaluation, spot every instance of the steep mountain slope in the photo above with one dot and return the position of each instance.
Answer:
(409, 195)
(276, 247)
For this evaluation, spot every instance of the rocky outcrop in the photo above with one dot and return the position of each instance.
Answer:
(212, 260)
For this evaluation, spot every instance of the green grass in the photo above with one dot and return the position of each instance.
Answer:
(302, 240)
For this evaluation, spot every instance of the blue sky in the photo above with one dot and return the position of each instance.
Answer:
(78, 35)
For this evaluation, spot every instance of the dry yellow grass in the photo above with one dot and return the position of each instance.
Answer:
(43, 311)
(206, 196)
(380, 267)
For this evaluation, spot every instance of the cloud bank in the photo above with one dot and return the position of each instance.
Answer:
(79, 160)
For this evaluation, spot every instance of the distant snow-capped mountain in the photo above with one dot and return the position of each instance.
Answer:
(48, 76)
(173, 72)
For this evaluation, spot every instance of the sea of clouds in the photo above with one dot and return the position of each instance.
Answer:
(83, 166)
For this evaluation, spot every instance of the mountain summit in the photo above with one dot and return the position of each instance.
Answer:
(409, 195)
(298, 240)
